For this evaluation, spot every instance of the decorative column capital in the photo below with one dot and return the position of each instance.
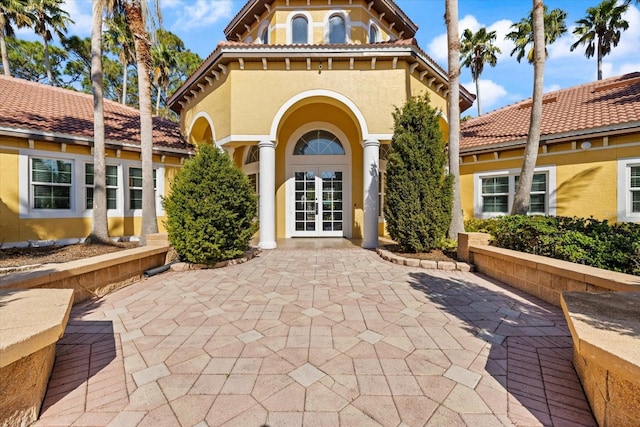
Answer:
(371, 143)
(267, 143)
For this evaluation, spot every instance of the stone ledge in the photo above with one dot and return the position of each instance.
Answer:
(605, 328)
(30, 320)
(426, 264)
(89, 277)
(31, 323)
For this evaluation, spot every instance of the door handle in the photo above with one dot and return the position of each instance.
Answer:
(316, 207)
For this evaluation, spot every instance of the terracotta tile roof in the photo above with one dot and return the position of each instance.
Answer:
(26, 105)
(588, 107)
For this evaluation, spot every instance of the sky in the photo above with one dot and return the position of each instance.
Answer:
(200, 24)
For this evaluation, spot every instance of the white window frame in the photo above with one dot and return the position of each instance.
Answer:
(550, 171)
(347, 25)
(304, 14)
(159, 189)
(117, 187)
(624, 190)
(374, 26)
(78, 192)
(264, 27)
(32, 184)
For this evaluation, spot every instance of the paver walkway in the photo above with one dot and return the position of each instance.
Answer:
(316, 337)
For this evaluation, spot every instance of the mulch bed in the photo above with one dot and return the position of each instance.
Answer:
(19, 257)
(434, 255)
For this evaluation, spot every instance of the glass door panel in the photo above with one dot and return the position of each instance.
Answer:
(318, 202)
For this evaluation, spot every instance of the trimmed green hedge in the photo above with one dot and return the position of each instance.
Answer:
(588, 241)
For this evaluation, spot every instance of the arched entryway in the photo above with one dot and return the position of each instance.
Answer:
(319, 182)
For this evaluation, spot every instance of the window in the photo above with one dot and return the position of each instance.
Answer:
(51, 183)
(495, 192)
(253, 155)
(318, 142)
(337, 30)
(634, 188)
(111, 182)
(264, 36)
(629, 190)
(135, 187)
(299, 30)
(373, 34)
(382, 177)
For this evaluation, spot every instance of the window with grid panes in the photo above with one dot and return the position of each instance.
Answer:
(111, 186)
(135, 187)
(495, 194)
(634, 186)
(51, 182)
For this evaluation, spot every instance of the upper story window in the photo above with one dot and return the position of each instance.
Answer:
(299, 30)
(264, 36)
(374, 34)
(337, 30)
(318, 143)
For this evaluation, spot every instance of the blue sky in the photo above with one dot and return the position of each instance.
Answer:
(200, 24)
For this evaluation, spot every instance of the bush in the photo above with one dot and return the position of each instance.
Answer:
(211, 209)
(588, 241)
(418, 194)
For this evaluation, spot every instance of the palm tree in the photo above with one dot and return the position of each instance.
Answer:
(11, 12)
(522, 197)
(164, 62)
(453, 42)
(522, 35)
(600, 30)
(476, 50)
(137, 15)
(49, 19)
(100, 227)
(118, 40)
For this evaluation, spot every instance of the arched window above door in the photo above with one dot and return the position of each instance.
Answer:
(337, 30)
(318, 143)
(253, 155)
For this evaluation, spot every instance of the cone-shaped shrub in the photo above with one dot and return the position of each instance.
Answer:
(419, 192)
(211, 209)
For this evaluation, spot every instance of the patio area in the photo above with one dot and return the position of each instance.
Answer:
(312, 334)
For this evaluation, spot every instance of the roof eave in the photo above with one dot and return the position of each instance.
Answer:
(618, 128)
(314, 51)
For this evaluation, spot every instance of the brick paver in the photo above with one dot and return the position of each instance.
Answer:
(316, 337)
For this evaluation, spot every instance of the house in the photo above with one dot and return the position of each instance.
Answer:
(588, 161)
(46, 164)
(301, 94)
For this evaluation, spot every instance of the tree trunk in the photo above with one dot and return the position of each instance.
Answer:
(125, 65)
(478, 96)
(453, 42)
(158, 95)
(143, 59)
(100, 229)
(46, 60)
(3, 48)
(599, 57)
(523, 193)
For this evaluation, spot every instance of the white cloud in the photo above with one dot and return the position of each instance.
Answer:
(438, 47)
(491, 93)
(80, 13)
(552, 88)
(199, 13)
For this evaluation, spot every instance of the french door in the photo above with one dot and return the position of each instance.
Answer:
(318, 201)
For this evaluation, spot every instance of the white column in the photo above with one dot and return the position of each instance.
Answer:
(267, 184)
(230, 150)
(371, 167)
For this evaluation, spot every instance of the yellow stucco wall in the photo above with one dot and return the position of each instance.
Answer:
(586, 179)
(16, 229)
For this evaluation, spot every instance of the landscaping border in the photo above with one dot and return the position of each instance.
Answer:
(423, 263)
